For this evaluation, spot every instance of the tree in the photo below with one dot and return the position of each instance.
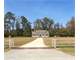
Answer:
(44, 24)
(26, 26)
(56, 29)
(18, 30)
(47, 23)
(28, 29)
(71, 23)
(9, 20)
(38, 24)
(24, 22)
(57, 26)
(71, 26)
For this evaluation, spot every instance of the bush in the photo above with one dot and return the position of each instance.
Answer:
(62, 33)
(6, 33)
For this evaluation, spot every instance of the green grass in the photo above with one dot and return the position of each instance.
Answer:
(67, 50)
(18, 41)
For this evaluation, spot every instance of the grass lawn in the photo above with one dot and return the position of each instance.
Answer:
(18, 41)
(65, 44)
(67, 50)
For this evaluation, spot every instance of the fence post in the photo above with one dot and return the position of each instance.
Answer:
(11, 42)
(55, 43)
(52, 43)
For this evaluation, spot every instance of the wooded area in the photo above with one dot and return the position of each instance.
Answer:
(20, 26)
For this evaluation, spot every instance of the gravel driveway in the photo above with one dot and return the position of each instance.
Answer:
(36, 54)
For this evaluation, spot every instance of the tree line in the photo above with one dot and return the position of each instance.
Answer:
(16, 26)
(20, 26)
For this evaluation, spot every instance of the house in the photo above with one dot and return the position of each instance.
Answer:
(40, 33)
